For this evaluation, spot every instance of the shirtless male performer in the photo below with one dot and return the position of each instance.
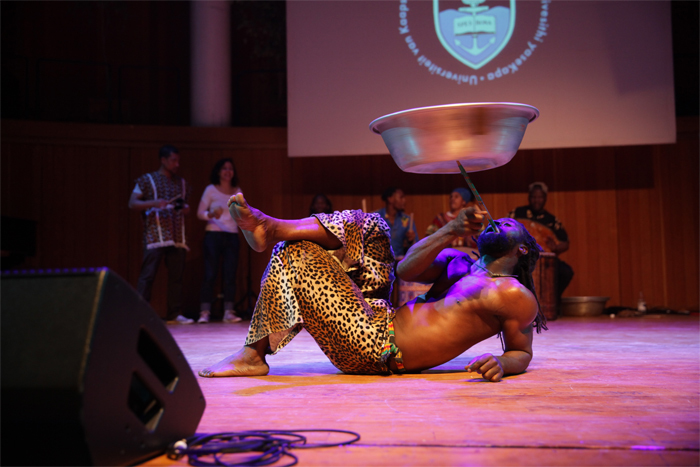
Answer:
(332, 275)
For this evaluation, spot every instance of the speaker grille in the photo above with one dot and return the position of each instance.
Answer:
(151, 354)
(144, 404)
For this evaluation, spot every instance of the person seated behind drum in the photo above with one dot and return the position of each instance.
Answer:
(460, 198)
(535, 211)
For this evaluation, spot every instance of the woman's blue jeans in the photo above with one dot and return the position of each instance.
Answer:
(220, 246)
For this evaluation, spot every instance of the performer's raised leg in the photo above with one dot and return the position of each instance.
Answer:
(262, 231)
(304, 286)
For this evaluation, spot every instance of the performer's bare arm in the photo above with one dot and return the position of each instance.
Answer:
(517, 321)
(424, 262)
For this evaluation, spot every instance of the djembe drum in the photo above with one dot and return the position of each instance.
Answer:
(545, 280)
(545, 273)
(404, 291)
(540, 232)
(407, 291)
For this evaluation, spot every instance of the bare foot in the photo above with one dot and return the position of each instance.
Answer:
(245, 362)
(254, 223)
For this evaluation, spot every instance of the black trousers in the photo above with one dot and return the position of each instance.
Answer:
(220, 246)
(564, 275)
(175, 263)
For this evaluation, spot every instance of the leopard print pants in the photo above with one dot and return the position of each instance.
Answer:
(306, 286)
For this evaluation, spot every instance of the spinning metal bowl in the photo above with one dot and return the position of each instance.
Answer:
(431, 139)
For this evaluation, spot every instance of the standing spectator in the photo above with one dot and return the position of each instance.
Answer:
(320, 204)
(220, 240)
(403, 231)
(162, 196)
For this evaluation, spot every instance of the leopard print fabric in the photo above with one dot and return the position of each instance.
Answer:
(341, 297)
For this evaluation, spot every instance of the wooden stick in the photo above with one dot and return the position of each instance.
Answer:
(476, 195)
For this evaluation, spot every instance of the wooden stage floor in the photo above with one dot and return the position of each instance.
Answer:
(599, 391)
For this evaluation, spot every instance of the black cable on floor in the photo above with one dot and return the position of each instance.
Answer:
(248, 448)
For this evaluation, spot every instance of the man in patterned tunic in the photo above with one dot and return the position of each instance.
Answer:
(161, 197)
(332, 274)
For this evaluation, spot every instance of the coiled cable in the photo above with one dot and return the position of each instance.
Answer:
(248, 448)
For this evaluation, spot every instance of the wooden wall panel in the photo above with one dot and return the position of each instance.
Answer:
(640, 233)
(639, 239)
(592, 225)
(584, 200)
(631, 212)
(75, 181)
(676, 168)
(21, 170)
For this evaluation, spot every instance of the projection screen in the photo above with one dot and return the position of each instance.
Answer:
(600, 72)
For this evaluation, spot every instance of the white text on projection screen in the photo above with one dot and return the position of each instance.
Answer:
(600, 72)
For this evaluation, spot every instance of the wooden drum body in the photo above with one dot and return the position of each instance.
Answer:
(545, 278)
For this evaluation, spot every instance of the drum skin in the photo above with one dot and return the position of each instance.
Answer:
(539, 231)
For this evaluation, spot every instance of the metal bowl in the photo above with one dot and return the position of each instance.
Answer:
(431, 139)
(583, 306)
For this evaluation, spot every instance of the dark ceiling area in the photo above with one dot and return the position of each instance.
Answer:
(128, 62)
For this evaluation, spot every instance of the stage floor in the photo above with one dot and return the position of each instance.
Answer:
(599, 391)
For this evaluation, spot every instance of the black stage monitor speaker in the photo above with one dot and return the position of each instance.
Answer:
(90, 374)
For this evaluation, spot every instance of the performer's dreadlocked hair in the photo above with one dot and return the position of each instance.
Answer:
(524, 268)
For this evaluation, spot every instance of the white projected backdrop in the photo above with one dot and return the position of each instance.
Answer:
(600, 73)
